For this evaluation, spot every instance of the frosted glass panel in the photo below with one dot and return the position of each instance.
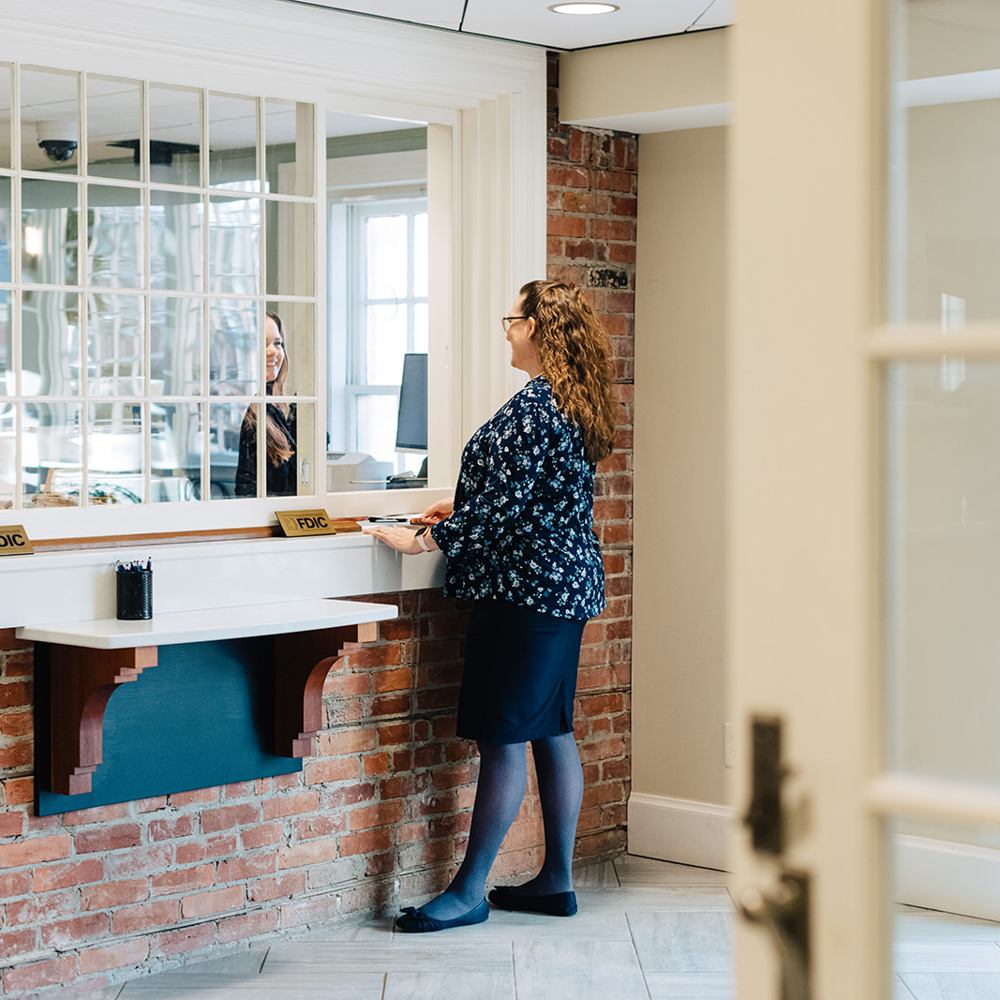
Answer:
(50, 120)
(176, 241)
(115, 453)
(175, 332)
(175, 449)
(5, 229)
(943, 573)
(5, 115)
(51, 454)
(298, 321)
(234, 245)
(232, 142)
(226, 422)
(288, 150)
(290, 248)
(174, 135)
(8, 381)
(235, 347)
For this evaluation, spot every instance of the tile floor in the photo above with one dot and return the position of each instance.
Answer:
(646, 930)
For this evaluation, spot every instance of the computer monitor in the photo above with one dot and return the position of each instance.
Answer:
(411, 426)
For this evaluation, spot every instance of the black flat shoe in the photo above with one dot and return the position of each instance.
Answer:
(413, 921)
(555, 904)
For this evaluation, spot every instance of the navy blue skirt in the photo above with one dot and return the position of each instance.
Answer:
(520, 674)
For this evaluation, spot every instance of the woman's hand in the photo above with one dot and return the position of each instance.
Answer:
(401, 539)
(440, 510)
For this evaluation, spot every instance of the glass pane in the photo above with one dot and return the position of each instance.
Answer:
(291, 239)
(5, 229)
(385, 343)
(226, 423)
(284, 439)
(51, 454)
(50, 241)
(114, 128)
(115, 237)
(50, 344)
(175, 449)
(50, 117)
(288, 150)
(115, 339)
(115, 453)
(234, 245)
(174, 135)
(8, 376)
(944, 228)
(943, 569)
(376, 425)
(175, 336)
(234, 347)
(232, 142)
(420, 255)
(176, 244)
(385, 245)
(421, 327)
(298, 321)
(5, 116)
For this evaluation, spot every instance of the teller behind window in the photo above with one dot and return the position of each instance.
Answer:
(279, 444)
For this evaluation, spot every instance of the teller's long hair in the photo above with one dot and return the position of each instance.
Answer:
(277, 445)
(575, 356)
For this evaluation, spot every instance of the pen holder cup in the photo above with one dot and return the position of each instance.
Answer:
(135, 594)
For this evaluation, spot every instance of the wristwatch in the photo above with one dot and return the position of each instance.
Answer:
(421, 540)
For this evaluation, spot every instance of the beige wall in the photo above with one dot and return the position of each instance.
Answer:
(678, 699)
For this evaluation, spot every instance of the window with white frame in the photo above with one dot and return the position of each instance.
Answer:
(146, 231)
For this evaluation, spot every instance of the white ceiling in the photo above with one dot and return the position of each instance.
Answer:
(532, 21)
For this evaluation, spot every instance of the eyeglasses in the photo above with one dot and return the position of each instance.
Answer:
(507, 320)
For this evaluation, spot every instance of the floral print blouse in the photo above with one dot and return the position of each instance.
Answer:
(522, 526)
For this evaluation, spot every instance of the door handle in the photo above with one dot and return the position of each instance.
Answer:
(784, 911)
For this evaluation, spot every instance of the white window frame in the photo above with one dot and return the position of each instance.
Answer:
(484, 104)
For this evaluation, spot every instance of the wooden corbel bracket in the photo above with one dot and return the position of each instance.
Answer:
(82, 681)
(302, 661)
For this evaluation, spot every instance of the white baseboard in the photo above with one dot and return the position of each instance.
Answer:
(941, 875)
(936, 874)
(678, 830)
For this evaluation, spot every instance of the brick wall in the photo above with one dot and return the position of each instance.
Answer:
(381, 814)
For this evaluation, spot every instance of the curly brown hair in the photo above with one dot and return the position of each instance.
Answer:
(575, 356)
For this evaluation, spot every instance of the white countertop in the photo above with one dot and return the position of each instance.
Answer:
(210, 623)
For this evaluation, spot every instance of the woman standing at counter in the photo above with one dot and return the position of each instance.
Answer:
(519, 539)
(282, 480)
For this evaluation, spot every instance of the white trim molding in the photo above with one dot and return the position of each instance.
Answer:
(679, 830)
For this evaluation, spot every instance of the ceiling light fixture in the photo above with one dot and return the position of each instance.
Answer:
(583, 8)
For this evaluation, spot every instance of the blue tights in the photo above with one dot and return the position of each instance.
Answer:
(503, 776)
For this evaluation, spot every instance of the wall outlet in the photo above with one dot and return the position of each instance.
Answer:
(730, 750)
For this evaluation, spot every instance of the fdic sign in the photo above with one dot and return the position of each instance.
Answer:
(312, 522)
(14, 541)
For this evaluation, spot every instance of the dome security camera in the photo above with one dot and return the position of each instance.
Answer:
(58, 140)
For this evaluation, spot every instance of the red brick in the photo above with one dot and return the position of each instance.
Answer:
(17, 942)
(154, 804)
(567, 225)
(587, 204)
(395, 629)
(168, 829)
(568, 177)
(11, 824)
(145, 916)
(9, 640)
(19, 664)
(370, 657)
(183, 941)
(311, 853)
(347, 741)
(249, 926)
(33, 850)
(213, 847)
(265, 835)
(324, 825)
(17, 724)
(16, 694)
(365, 843)
(113, 956)
(181, 799)
(112, 894)
(290, 805)
(17, 755)
(621, 253)
(214, 820)
(38, 974)
(99, 814)
(182, 880)
(612, 229)
(628, 207)
(66, 933)
(242, 869)
(308, 911)
(265, 889)
(203, 904)
(140, 861)
(107, 838)
(391, 680)
(19, 791)
(380, 814)
(337, 769)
